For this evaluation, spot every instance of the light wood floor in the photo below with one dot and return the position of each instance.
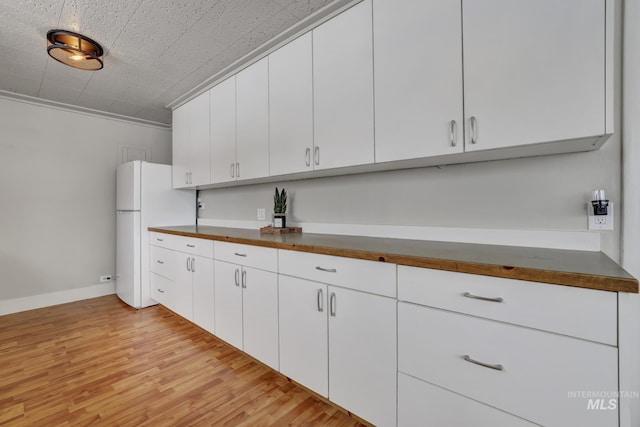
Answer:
(100, 362)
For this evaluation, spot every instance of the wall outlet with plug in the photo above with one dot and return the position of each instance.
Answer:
(600, 222)
(106, 278)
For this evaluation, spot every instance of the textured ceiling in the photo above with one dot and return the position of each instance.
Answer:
(155, 51)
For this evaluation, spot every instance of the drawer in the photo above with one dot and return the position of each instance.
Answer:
(162, 261)
(191, 245)
(251, 256)
(582, 313)
(163, 240)
(423, 404)
(161, 289)
(540, 370)
(368, 276)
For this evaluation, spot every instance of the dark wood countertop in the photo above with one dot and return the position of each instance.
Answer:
(583, 269)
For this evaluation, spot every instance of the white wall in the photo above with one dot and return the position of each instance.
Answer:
(629, 304)
(57, 195)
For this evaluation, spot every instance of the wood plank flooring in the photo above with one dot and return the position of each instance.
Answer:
(100, 362)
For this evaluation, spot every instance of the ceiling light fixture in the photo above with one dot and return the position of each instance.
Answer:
(74, 50)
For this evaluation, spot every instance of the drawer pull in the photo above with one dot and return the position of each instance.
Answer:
(328, 270)
(239, 254)
(468, 295)
(159, 262)
(161, 291)
(159, 240)
(497, 367)
(319, 301)
(191, 246)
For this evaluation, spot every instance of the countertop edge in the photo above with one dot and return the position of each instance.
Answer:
(578, 280)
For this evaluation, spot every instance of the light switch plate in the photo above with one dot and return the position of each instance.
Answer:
(600, 222)
(262, 215)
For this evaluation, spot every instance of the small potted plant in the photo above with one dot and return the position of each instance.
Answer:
(280, 209)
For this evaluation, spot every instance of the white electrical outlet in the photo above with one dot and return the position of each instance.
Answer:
(600, 222)
(106, 278)
(262, 214)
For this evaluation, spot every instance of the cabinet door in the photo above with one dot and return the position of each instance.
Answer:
(203, 296)
(199, 153)
(252, 108)
(303, 333)
(291, 107)
(418, 78)
(260, 315)
(223, 131)
(343, 89)
(228, 302)
(533, 71)
(362, 354)
(181, 300)
(181, 147)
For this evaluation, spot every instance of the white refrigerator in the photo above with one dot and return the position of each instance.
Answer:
(144, 199)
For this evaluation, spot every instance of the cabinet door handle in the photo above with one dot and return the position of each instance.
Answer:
(328, 270)
(474, 129)
(307, 156)
(316, 156)
(237, 277)
(452, 132)
(161, 291)
(237, 170)
(244, 278)
(159, 262)
(193, 265)
(239, 254)
(332, 304)
(188, 264)
(496, 299)
(497, 367)
(232, 170)
(319, 301)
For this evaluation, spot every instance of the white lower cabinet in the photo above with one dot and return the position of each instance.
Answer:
(203, 296)
(359, 337)
(532, 374)
(246, 310)
(362, 354)
(182, 277)
(303, 333)
(421, 403)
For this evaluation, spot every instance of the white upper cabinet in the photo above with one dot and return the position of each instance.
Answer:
(180, 143)
(534, 71)
(343, 89)
(223, 131)
(291, 107)
(418, 78)
(191, 147)
(252, 108)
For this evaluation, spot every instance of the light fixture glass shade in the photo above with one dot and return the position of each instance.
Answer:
(74, 50)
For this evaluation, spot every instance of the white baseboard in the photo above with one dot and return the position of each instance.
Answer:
(551, 239)
(16, 305)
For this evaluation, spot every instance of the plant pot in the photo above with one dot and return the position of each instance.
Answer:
(279, 220)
